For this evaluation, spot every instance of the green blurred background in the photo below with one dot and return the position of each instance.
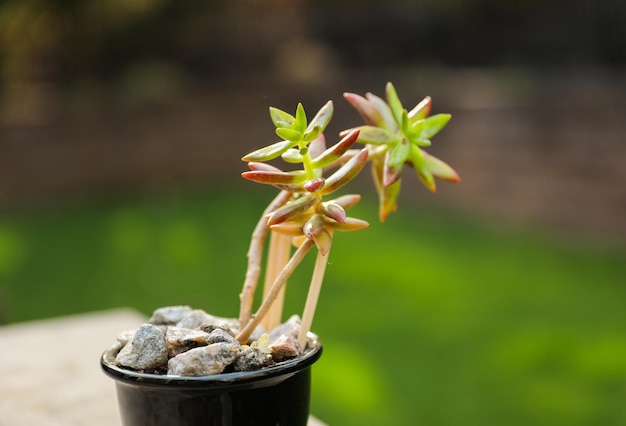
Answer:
(501, 298)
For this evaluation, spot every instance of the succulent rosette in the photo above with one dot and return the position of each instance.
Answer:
(395, 137)
(306, 213)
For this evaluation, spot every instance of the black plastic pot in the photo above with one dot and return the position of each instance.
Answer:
(277, 395)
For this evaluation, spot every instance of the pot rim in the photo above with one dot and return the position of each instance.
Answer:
(312, 354)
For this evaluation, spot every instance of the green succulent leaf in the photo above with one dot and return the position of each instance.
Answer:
(313, 226)
(375, 135)
(405, 126)
(388, 120)
(439, 168)
(275, 177)
(282, 125)
(319, 122)
(269, 152)
(351, 153)
(346, 201)
(336, 151)
(311, 135)
(388, 200)
(394, 103)
(421, 168)
(333, 210)
(289, 134)
(421, 110)
(399, 154)
(300, 122)
(288, 228)
(350, 224)
(317, 146)
(387, 194)
(417, 125)
(290, 210)
(256, 166)
(323, 240)
(314, 184)
(432, 125)
(391, 174)
(345, 173)
(414, 133)
(292, 156)
(370, 114)
(427, 179)
(281, 118)
(294, 188)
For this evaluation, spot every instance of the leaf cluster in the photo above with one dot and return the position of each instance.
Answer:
(308, 214)
(396, 137)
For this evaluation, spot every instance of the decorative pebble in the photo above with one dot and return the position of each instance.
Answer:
(169, 315)
(196, 318)
(179, 340)
(286, 346)
(251, 359)
(205, 360)
(208, 328)
(221, 335)
(146, 350)
(191, 342)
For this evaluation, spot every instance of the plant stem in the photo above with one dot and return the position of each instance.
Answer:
(277, 257)
(307, 162)
(245, 332)
(255, 254)
(312, 297)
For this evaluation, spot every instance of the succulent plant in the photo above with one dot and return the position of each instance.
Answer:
(307, 212)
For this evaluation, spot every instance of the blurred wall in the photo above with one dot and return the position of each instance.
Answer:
(132, 95)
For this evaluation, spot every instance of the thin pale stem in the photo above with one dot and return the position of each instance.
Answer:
(307, 162)
(255, 254)
(245, 332)
(312, 297)
(277, 257)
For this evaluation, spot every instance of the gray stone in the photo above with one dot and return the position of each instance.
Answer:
(286, 346)
(169, 315)
(251, 359)
(205, 360)
(221, 335)
(146, 350)
(195, 318)
(179, 340)
(199, 318)
(208, 328)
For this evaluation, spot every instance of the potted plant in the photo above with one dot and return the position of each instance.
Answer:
(186, 367)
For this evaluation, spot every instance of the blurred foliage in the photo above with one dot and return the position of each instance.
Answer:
(65, 41)
(477, 325)
(54, 50)
(473, 33)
